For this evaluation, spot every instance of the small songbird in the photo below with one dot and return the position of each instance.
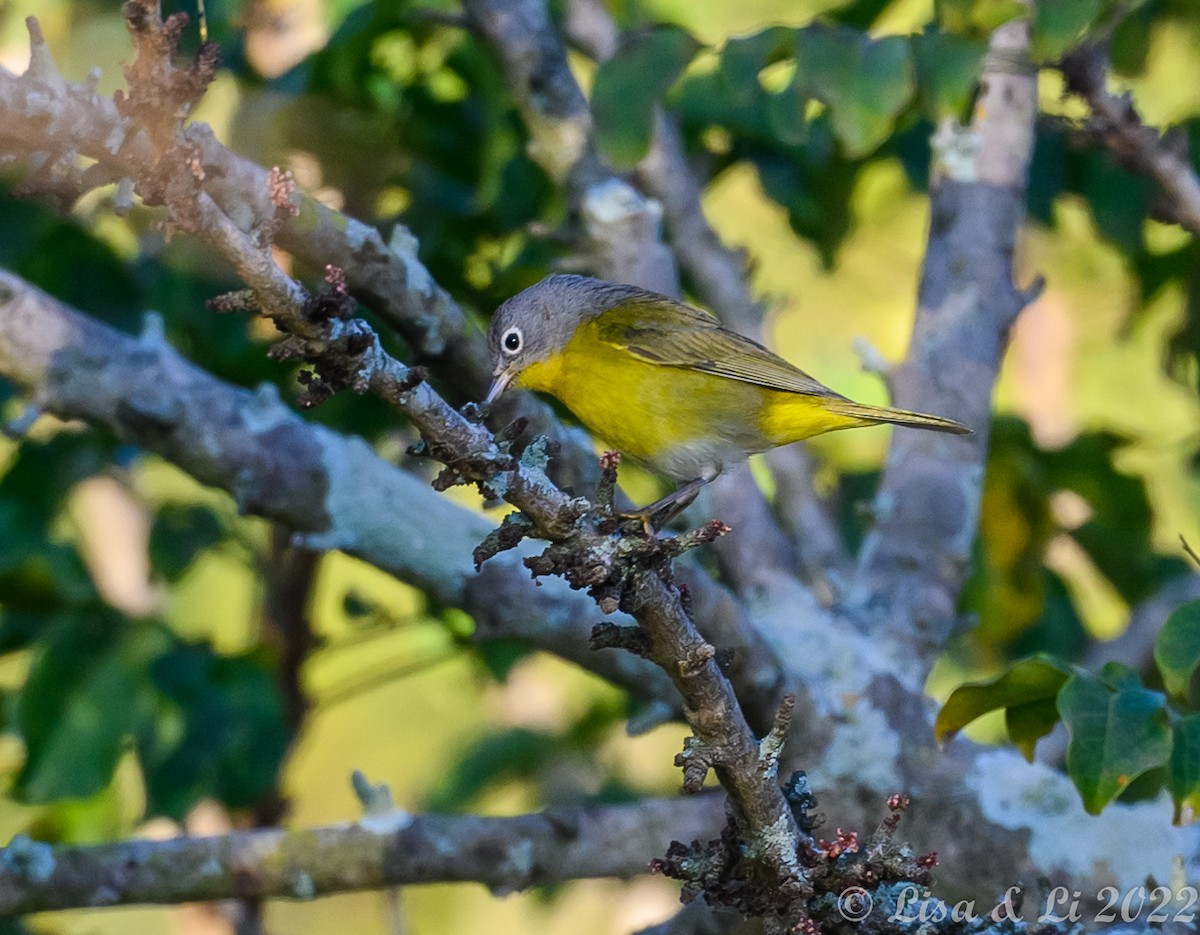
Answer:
(664, 382)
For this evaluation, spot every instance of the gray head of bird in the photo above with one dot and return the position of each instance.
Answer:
(540, 320)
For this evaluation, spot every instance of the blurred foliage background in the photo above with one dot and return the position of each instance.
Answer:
(142, 620)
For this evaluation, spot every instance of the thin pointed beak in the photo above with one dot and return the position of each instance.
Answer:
(499, 385)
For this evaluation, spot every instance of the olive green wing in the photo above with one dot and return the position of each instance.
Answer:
(679, 335)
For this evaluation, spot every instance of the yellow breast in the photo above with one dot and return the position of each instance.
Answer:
(685, 423)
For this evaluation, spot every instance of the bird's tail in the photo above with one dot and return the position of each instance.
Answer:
(916, 420)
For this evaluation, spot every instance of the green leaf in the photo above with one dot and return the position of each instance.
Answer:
(948, 69)
(518, 753)
(222, 734)
(976, 17)
(1119, 677)
(1119, 200)
(1029, 722)
(77, 707)
(814, 184)
(1058, 629)
(500, 655)
(1118, 535)
(864, 82)
(743, 57)
(1177, 651)
(630, 84)
(861, 14)
(1183, 769)
(1131, 43)
(1059, 25)
(180, 533)
(1116, 734)
(85, 272)
(1026, 690)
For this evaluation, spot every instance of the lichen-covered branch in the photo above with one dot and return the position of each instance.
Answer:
(915, 559)
(717, 272)
(1137, 146)
(396, 848)
(330, 490)
(52, 123)
(41, 113)
(618, 228)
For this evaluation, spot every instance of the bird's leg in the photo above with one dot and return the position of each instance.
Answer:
(671, 505)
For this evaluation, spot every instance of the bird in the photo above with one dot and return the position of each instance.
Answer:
(665, 382)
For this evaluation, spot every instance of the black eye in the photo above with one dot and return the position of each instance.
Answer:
(512, 340)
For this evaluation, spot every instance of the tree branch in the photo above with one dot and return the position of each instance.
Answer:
(619, 236)
(1137, 146)
(505, 854)
(41, 113)
(717, 272)
(50, 120)
(915, 559)
(334, 491)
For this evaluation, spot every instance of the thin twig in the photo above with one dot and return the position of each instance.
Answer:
(1187, 547)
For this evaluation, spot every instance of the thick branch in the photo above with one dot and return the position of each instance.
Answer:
(926, 510)
(332, 489)
(505, 854)
(717, 272)
(42, 113)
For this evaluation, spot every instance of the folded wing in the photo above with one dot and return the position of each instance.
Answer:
(681, 336)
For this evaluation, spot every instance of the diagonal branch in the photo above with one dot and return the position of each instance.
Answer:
(332, 490)
(42, 113)
(51, 121)
(1143, 149)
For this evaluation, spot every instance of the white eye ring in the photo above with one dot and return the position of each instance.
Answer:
(512, 341)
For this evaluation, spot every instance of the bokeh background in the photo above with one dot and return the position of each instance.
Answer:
(110, 557)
